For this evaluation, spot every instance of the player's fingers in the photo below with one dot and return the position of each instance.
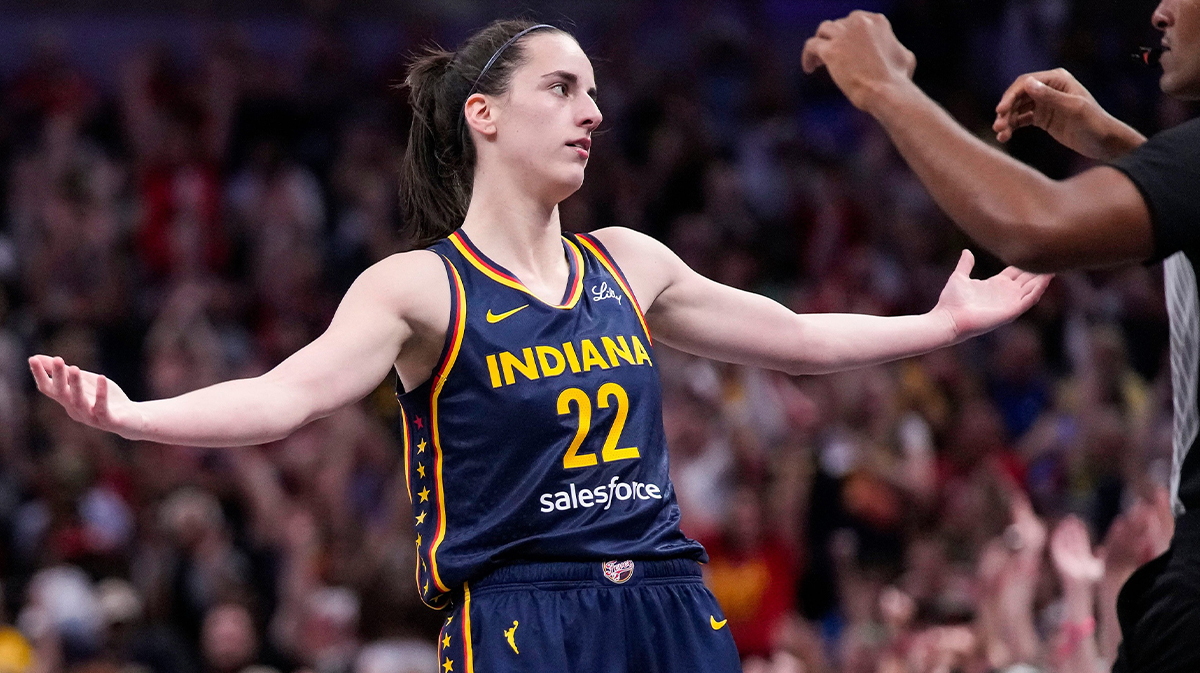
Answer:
(58, 377)
(1016, 275)
(812, 57)
(1036, 279)
(1021, 84)
(75, 388)
(1010, 272)
(37, 365)
(829, 29)
(1005, 129)
(100, 408)
(1027, 277)
(1045, 96)
(1023, 103)
(1021, 120)
(1009, 98)
(1035, 289)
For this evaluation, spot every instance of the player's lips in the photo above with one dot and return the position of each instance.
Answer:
(583, 146)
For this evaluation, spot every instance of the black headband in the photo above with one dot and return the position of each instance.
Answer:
(499, 51)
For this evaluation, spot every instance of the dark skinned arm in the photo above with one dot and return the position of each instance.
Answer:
(1097, 218)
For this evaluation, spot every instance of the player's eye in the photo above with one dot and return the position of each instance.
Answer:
(561, 88)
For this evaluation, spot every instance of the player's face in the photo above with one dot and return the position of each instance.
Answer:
(547, 117)
(1179, 20)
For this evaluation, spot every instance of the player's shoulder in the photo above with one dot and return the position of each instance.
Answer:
(414, 267)
(648, 264)
(629, 246)
(405, 280)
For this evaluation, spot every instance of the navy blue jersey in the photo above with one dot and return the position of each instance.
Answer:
(539, 436)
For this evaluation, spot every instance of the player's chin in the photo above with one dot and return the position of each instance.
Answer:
(568, 180)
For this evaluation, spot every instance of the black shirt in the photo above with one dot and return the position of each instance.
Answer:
(1166, 169)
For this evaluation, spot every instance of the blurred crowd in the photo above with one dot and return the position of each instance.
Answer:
(975, 509)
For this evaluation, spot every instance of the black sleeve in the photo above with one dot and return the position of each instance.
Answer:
(1166, 169)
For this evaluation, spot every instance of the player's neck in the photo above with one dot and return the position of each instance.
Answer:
(519, 231)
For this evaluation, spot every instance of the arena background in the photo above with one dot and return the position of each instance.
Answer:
(187, 188)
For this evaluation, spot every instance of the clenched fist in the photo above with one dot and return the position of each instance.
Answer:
(861, 54)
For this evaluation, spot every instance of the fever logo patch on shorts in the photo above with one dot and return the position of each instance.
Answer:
(618, 572)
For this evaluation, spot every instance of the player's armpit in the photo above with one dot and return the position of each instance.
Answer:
(1096, 219)
(403, 295)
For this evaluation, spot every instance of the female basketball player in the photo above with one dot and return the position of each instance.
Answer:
(533, 436)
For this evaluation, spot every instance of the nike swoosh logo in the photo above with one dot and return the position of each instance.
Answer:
(715, 624)
(493, 318)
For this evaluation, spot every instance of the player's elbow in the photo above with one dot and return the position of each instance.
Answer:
(290, 401)
(1035, 247)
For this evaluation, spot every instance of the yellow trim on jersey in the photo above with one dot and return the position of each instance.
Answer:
(487, 270)
(404, 424)
(460, 322)
(611, 266)
(468, 650)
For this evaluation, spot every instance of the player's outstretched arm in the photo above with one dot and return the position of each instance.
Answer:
(371, 325)
(1054, 101)
(1097, 218)
(697, 315)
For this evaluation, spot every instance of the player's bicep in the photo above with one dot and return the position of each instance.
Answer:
(697, 315)
(1098, 218)
(371, 325)
(700, 316)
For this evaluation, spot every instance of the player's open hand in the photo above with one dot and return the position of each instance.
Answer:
(88, 398)
(861, 54)
(978, 306)
(1054, 101)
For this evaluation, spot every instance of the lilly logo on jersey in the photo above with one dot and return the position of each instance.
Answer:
(603, 291)
(580, 356)
(618, 572)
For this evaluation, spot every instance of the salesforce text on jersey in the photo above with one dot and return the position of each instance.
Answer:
(604, 494)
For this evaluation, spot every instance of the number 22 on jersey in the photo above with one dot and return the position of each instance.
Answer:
(583, 406)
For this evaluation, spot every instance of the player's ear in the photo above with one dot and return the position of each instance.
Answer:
(480, 114)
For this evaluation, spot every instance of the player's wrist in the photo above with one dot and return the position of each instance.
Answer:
(945, 325)
(883, 98)
(1118, 139)
(135, 426)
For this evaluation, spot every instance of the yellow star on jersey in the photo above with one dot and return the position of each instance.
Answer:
(425, 589)
(421, 470)
(421, 446)
(421, 518)
(448, 666)
(418, 540)
(424, 493)
(446, 641)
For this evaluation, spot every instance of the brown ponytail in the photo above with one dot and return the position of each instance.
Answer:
(438, 169)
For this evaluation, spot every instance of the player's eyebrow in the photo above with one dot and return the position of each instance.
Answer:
(570, 78)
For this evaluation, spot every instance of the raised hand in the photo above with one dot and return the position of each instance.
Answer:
(1054, 101)
(861, 54)
(977, 306)
(1071, 551)
(88, 398)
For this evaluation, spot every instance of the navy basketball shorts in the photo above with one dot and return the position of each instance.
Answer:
(595, 617)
